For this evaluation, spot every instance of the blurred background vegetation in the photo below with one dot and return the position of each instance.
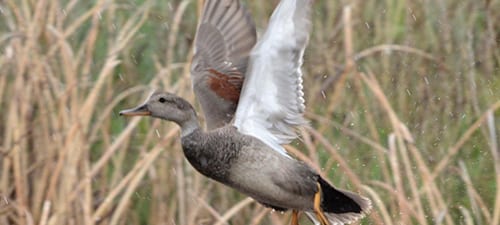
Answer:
(403, 99)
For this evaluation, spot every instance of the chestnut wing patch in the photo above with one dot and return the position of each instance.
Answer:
(226, 86)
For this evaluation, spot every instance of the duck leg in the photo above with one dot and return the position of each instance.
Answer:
(295, 217)
(317, 207)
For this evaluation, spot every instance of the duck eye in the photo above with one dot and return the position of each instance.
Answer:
(162, 100)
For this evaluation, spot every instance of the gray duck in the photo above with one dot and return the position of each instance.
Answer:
(245, 151)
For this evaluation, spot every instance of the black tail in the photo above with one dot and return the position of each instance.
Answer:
(340, 201)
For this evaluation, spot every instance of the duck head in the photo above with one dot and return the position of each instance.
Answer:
(165, 106)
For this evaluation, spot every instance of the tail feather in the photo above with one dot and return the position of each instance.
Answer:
(312, 217)
(342, 206)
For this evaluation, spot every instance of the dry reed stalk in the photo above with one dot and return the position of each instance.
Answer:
(429, 187)
(477, 204)
(211, 210)
(378, 203)
(90, 44)
(393, 147)
(257, 219)
(127, 180)
(3, 81)
(351, 133)
(471, 74)
(462, 140)
(406, 204)
(181, 189)
(276, 218)
(172, 41)
(234, 210)
(370, 122)
(393, 47)
(69, 74)
(84, 114)
(412, 182)
(343, 166)
(19, 118)
(137, 177)
(196, 208)
(308, 142)
(110, 151)
(398, 141)
(15, 155)
(467, 217)
(397, 180)
(124, 36)
(349, 58)
(199, 7)
(109, 109)
(76, 24)
(339, 83)
(495, 151)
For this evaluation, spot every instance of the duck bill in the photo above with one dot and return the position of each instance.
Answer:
(141, 110)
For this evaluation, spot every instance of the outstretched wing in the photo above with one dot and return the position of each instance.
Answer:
(271, 103)
(225, 36)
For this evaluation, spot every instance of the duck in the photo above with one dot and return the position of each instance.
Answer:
(244, 150)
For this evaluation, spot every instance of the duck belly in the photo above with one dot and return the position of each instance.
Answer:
(274, 180)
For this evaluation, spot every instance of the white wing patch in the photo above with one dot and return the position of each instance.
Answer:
(271, 104)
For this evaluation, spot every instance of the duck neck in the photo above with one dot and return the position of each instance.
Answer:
(189, 127)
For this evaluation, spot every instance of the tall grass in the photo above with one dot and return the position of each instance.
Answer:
(403, 99)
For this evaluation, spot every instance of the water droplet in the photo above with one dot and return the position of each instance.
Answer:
(5, 200)
(9, 52)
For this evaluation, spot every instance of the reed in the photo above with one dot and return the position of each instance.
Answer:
(403, 99)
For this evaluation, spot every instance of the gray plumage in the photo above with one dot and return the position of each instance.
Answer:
(236, 160)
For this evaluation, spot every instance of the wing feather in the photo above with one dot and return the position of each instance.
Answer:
(271, 103)
(225, 36)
